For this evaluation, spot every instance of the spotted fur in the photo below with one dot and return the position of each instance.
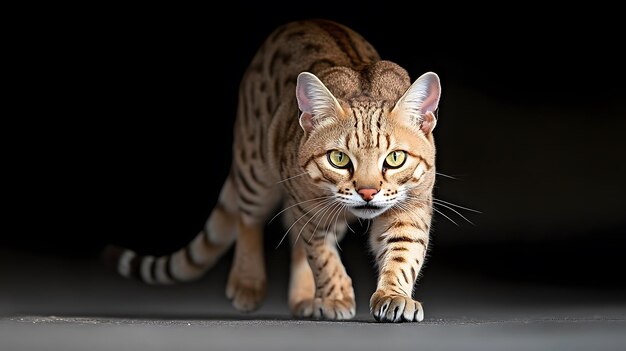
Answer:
(314, 87)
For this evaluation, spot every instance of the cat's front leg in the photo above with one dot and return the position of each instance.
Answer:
(334, 295)
(399, 243)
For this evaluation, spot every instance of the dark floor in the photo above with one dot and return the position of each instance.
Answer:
(69, 333)
(76, 304)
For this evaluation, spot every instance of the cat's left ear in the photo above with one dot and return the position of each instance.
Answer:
(420, 101)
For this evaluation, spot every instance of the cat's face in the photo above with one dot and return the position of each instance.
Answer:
(370, 168)
(371, 156)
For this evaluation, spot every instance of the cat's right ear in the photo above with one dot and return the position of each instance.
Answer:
(317, 103)
(420, 101)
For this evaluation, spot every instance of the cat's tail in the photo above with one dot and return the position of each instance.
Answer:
(187, 264)
(191, 261)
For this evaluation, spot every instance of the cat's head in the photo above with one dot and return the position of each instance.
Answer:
(372, 151)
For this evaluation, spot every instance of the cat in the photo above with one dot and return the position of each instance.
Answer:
(335, 134)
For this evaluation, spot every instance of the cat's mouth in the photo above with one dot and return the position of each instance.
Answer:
(367, 211)
(367, 207)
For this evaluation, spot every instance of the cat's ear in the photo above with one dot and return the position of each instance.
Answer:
(317, 103)
(420, 101)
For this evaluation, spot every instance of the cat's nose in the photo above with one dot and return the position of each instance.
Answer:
(367, 193)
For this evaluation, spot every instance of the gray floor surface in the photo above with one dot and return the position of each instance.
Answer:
(47, 303)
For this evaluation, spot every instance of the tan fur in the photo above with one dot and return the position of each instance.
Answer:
(275, 160)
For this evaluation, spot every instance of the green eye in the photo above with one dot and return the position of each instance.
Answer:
(338, 159)
(395, 159)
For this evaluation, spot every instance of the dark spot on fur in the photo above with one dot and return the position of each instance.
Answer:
(313, 47)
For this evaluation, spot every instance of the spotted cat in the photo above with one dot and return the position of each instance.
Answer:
(334, 134)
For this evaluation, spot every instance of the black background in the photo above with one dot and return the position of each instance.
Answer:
(130, 137)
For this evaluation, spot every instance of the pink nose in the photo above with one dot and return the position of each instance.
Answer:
(367, 193)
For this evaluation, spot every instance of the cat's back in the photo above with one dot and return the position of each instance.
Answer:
(315, 45)
(305, 46)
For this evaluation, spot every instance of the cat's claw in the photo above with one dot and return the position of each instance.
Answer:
(395, 308)
(318, 308)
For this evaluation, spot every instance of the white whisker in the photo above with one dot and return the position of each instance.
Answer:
(336, 218)
(331, 215)
(346, 220)
(408, 209)
(323, 214)
(441, 213)
(447, 176)
(318, 223)
(296, 176)
(442, 203)
(328, 216)
(299, 203)
(455, 205)
(296, 221)
(307, 222)
(457, 212)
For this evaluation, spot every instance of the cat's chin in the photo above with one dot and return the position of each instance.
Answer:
(367, 212)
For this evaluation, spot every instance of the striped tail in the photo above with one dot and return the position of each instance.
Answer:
(190, 262)
(186, 264)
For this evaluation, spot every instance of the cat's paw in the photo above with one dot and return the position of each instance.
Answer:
(395, 308)
(246, 294)
(328, 308)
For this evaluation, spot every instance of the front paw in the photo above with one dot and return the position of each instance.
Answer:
(326, 308)
(395, 308)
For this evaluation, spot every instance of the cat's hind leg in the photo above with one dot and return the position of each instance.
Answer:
(246, 285)
(301, 283)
